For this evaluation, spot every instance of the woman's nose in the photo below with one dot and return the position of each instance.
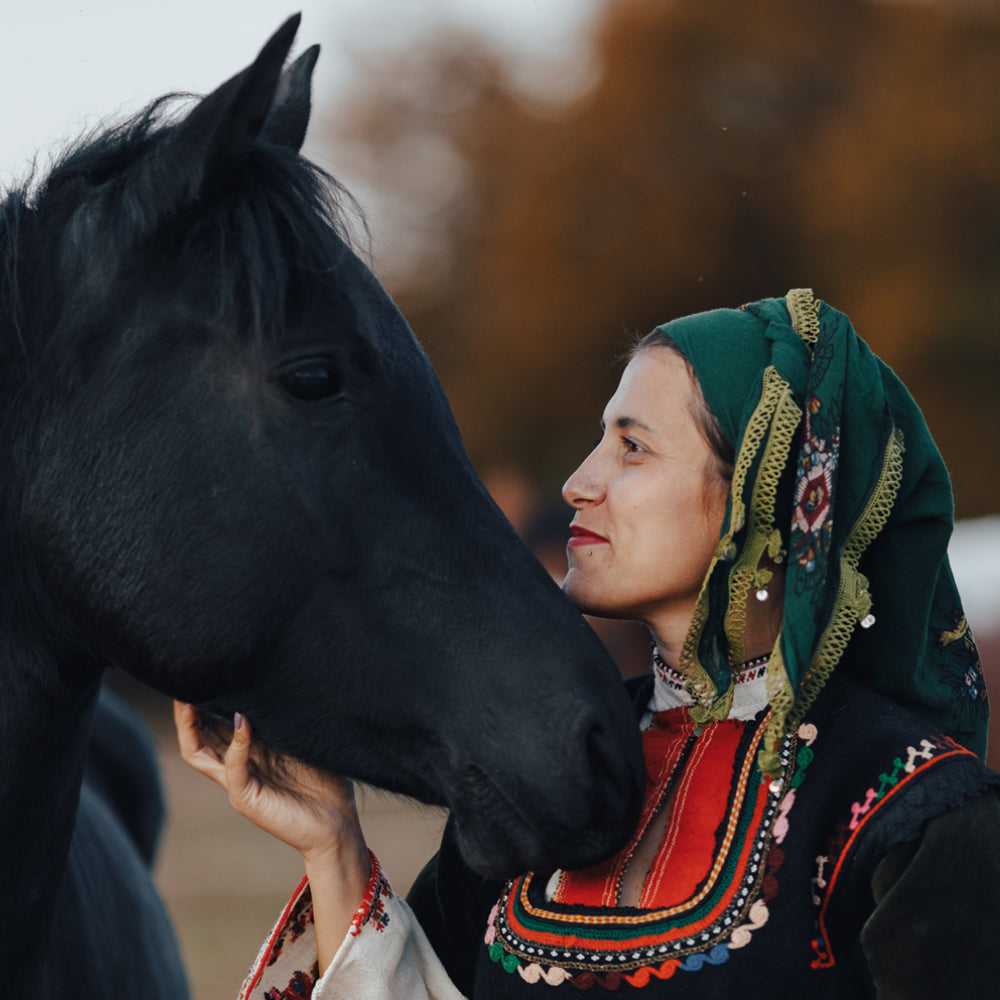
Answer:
(586, 485)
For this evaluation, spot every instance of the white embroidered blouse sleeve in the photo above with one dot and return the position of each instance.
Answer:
(385, 955)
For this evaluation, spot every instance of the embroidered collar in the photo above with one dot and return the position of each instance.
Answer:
(670, 691)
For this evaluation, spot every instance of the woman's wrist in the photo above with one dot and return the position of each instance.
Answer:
(338, 879)
(345, 864)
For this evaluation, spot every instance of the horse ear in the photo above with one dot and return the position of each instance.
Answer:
(217, 135)
(288, 118)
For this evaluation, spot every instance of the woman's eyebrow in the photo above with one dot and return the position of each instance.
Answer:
(623, 423)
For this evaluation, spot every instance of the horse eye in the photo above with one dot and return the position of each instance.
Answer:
(310, 380)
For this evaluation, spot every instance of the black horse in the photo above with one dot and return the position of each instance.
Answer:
(229, 470)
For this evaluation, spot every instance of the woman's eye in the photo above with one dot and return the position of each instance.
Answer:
(630, 445)
(310, 380)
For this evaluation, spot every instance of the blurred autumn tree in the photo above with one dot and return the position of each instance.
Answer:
(725, 151)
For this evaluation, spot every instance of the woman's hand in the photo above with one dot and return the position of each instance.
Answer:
(307, 809)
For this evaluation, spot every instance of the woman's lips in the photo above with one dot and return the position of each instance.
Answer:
(581, 536)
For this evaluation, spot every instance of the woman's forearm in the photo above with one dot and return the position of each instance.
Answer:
(338, 880)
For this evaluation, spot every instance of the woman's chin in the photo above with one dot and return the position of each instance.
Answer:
(575, 589)
(586, 601)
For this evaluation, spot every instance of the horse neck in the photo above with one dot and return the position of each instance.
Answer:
(44, 722)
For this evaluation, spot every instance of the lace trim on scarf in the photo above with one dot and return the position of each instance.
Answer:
(803, 309)
(762, 536)
(852, 601)
(775, 418)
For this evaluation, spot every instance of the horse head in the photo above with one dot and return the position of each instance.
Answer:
(232, 473)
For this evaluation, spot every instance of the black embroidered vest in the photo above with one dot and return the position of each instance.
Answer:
(780, 910)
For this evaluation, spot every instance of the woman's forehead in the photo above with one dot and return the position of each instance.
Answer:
(655, 392)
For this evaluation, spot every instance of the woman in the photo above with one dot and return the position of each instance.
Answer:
(767, 500)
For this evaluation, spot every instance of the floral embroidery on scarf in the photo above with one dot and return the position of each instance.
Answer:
(812, 525)
(964, 673)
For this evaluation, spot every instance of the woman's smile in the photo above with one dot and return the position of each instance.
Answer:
(580, 537)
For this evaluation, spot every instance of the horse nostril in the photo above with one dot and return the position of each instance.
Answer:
(476, 787)
(473, 775)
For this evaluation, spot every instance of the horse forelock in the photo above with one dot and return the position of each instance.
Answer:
(276, 234)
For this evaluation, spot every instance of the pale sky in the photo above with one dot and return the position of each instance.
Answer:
(69, 63)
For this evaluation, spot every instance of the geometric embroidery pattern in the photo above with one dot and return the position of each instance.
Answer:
(600, 945)
(915, 760)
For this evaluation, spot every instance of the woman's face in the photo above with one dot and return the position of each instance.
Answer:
(649, 501)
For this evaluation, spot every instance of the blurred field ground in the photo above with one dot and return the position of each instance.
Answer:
(225, 882)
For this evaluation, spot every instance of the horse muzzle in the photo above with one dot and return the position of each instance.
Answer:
(565, 817)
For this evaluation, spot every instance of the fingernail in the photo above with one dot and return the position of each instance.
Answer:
(237, 721)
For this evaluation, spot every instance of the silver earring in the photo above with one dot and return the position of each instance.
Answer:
(869, 619)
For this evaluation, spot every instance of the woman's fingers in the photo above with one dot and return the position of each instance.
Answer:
(199, 748)
(312, 811)
(236, 764)
(227, 764)
(184, 722)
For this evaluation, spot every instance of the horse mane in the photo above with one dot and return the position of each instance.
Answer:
(276, 217)
(12, 209)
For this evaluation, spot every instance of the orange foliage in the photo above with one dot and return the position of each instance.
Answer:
(726, 151)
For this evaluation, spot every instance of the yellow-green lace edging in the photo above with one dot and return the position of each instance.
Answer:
(762, 535)
(708, 703)
(803, 309)
(852, 601)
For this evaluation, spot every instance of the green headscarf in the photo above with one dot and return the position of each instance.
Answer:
(837, 476)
